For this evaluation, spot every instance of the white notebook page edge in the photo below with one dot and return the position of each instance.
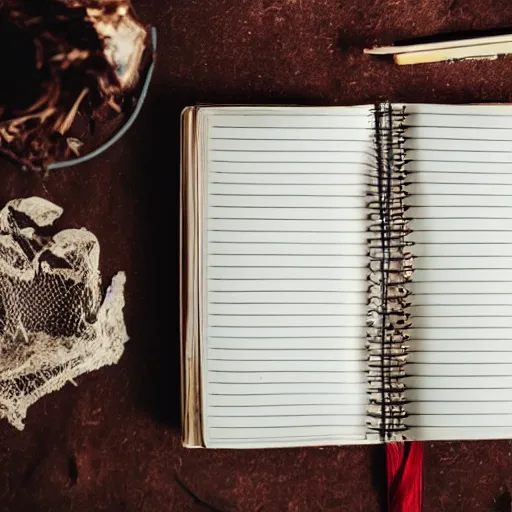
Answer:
(458, 383)
(299, 436)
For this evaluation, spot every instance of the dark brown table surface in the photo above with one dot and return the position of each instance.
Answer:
(113, 443)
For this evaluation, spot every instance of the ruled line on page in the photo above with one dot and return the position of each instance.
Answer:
(309, 162)
(286, 140)
(267, 151)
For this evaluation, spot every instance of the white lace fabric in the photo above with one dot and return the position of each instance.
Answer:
(55, 323)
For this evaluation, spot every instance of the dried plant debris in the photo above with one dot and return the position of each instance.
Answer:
(59, 58)
(55, 323)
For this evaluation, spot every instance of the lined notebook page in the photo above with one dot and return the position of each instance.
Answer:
(285, 256)
(460, 367)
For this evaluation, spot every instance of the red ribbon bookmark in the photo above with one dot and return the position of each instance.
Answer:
(404, 465)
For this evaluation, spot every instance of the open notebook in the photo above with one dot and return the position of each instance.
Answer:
(346, 274)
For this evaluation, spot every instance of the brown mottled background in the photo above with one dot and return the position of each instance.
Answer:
(113, 443)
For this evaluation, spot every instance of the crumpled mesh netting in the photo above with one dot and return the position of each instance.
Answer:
(55, 323)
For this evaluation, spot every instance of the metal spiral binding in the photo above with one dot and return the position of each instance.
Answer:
(390, 270)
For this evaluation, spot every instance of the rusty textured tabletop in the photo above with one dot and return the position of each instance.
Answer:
(113, 443)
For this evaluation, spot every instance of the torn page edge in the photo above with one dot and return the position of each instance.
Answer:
(390, 270)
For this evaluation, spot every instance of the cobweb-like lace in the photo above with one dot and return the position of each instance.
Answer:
(55, 323)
